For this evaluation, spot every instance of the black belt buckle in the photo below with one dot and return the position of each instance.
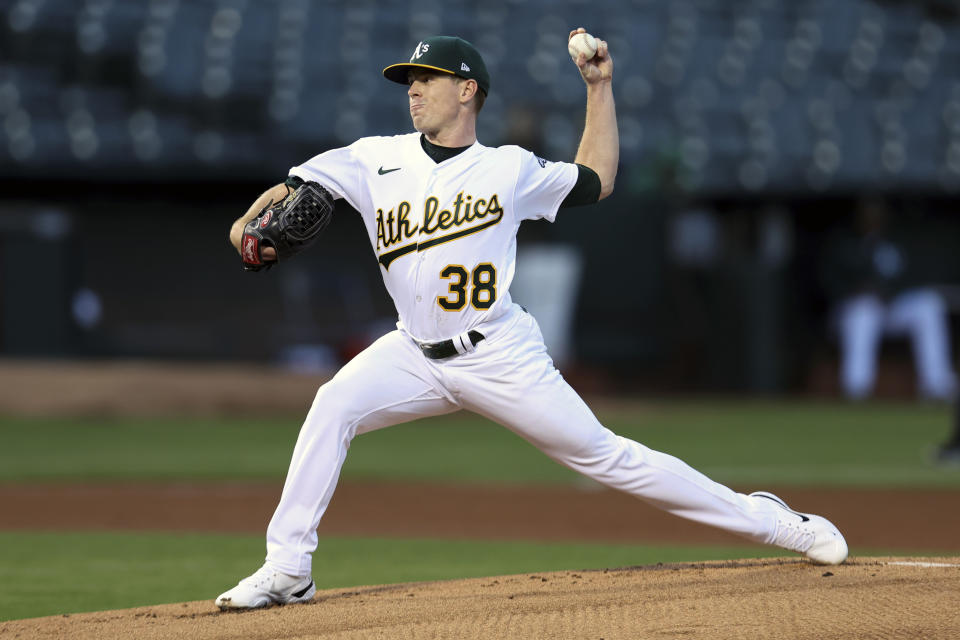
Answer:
(445, 349)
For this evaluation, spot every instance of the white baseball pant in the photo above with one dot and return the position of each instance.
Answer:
(508, 378)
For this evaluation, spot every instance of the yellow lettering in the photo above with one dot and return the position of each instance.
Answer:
(477, 205)
(381, 234)
(430, 207)
(457, 218)
(494, 206)
(391, 232)
(445, 219)
(404, 230)
(463, 210)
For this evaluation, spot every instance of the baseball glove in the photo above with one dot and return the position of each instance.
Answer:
(290, 226)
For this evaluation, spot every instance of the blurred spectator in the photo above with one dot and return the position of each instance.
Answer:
(866, 274)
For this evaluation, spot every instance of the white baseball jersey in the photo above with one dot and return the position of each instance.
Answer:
(445, 236)
(444, 233)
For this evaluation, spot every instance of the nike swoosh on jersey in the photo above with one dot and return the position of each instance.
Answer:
(384, 172)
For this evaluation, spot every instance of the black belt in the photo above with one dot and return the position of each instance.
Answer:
(445, 349)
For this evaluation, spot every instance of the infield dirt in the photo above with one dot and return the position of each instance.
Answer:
(865, 598)
(470, 512)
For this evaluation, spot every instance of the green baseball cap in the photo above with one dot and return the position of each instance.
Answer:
(444, 53)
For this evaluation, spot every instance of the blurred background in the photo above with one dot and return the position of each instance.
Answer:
(785, 224)
(778, 160)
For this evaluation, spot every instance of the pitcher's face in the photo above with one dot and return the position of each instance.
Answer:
(434, 100)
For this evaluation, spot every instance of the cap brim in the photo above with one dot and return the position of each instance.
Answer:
(398, 72)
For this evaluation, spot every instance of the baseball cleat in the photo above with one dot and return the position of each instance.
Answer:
(267, 587)
(814, 536)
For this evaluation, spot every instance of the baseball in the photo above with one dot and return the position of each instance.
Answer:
(582, 43)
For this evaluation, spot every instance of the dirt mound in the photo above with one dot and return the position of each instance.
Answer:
(865, 598)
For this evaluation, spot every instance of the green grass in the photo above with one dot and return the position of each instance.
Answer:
(55, 573)
(738, 443)
(803, 444)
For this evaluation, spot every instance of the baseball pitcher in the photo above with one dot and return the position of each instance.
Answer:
(442, 212)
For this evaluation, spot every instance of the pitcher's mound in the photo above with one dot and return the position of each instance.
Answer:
(776, 598)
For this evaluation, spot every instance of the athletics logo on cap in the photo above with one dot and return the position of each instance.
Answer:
(419, 51)
(447, 54)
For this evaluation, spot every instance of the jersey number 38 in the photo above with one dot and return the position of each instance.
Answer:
(482, 282)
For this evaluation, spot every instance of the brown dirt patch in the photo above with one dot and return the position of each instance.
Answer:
(141, 388)
(865, 598)
(871, 519)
